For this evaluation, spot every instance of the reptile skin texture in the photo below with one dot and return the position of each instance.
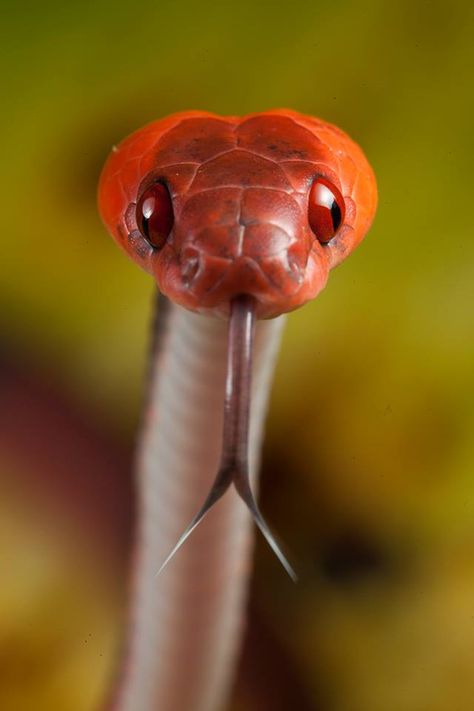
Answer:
(239, 188)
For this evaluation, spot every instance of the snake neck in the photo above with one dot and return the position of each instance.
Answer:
(187, 622)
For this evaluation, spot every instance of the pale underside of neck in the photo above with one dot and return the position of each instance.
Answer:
(186, 624)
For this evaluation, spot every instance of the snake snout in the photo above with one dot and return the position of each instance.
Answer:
(206, 274)
(212, 260)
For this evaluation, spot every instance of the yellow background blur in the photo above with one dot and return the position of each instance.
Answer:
(368, 468)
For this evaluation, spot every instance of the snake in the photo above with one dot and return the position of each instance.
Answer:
(239, 221)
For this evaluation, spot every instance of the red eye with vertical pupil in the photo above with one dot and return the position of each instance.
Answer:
(155, 215)
(325, 209)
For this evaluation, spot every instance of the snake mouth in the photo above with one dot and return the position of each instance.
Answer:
(207, 284)
(234, 465)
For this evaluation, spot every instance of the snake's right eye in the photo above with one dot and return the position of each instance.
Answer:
(155, 214)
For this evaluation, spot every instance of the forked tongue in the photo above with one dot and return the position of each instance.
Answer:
(234, 465)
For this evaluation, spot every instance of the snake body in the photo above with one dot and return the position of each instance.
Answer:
(239, 220)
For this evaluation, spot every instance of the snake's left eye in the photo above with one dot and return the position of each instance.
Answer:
(325, 209)
(155, 214)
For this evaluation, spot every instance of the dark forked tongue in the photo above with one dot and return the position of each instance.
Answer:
(234, 465)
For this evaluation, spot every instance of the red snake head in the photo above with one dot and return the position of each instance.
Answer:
(215, 207)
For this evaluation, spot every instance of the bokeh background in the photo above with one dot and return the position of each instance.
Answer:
(368, 467)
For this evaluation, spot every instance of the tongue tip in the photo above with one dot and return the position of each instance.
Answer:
(219, 488)
(244, 491)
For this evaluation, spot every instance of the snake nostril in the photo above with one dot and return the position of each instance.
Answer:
(189, 268)
(296, 270)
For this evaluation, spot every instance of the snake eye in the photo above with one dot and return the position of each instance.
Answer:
(155, 214)
(325, 209)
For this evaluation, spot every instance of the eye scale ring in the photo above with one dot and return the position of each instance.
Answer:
(154, 214)
(326, 209)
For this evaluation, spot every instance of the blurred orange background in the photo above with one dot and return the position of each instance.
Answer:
(368, 463)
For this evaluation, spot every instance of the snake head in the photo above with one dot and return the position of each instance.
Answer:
(214, 207)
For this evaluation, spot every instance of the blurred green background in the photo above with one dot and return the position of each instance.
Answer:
(368, 466)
